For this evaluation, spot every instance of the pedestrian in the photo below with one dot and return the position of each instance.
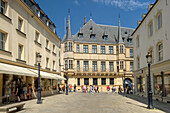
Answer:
(25, 91)
(30, 91)
(91, 88)
(113, 89)
(64, 88)
(82, 88)
(97, 88)
(108, 89)
(70, 87)
(119, 90)
(74, 87)
(18, 92)
(86, 88)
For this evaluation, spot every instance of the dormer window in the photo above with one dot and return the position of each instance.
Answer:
(80, 35)
(37, 12)
(91, 29)
(105, 37)
(130, 40)
(47, 22)
(92, 36)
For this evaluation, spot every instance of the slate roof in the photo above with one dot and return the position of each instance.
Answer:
(100, 30)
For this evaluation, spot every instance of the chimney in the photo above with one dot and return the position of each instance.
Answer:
(150, 6)
(143, 16)
(139, 21)
(84, 20)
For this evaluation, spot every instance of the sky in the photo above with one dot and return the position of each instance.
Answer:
(101, 11)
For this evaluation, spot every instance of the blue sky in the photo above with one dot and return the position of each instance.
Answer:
(103, 12)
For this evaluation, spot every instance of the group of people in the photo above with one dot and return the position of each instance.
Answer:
(16, 89)
(26, 91)
(92, 88)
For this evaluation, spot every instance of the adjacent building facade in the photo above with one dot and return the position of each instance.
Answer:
(97, 55)
(25, 31)
(152, 35)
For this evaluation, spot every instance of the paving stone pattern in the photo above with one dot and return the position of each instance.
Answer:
(87, 103)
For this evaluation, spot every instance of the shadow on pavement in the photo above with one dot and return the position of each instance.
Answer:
(136, 104)
(157, 104)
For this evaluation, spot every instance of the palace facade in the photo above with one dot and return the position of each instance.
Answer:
(98, 55)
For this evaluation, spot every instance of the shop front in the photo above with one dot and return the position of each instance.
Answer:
(12, 76)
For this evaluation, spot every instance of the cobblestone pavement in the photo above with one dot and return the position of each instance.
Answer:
(87, 103)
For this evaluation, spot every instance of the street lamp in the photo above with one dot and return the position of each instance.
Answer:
(149, 60)
(124, 85)
(39, 101)
(66, 69)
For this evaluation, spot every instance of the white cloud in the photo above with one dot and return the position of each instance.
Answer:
(76, 2)
(124, 4)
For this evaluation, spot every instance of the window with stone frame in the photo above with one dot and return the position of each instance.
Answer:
(78, 48)
(159, 21)
(102, 49)
(86, 66)
(103, 66)
(111, 81)
(86, 81)
(160, 52)
(121, 65)
(3, 39)
(94, 66)
(121, 49)
(150, 29)
(20, 24)
(47, 43)
(47, 62)
(95, 81)
(70, 46)
(131, 53)
(54, 65)
(103, 81)
(20, 52)
(110, 49)
(94, 48)
(3, 6)
(85, 48)
(54, 48)
(70, 64)
(78, 65)
(78, 81)
(111, 66)
(37, 36)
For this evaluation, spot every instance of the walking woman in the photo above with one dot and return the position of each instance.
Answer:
(25, 91)
(18, 92)
(30, 91)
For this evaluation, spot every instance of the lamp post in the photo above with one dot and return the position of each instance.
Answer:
(149, 59)
(66, 69)
(39, 101)
(124, 85)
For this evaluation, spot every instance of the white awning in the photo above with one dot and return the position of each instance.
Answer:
(16, 70)
(44, 74)
(59, 77)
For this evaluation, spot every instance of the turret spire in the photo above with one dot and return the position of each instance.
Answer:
(119, 33)
(68, 35)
